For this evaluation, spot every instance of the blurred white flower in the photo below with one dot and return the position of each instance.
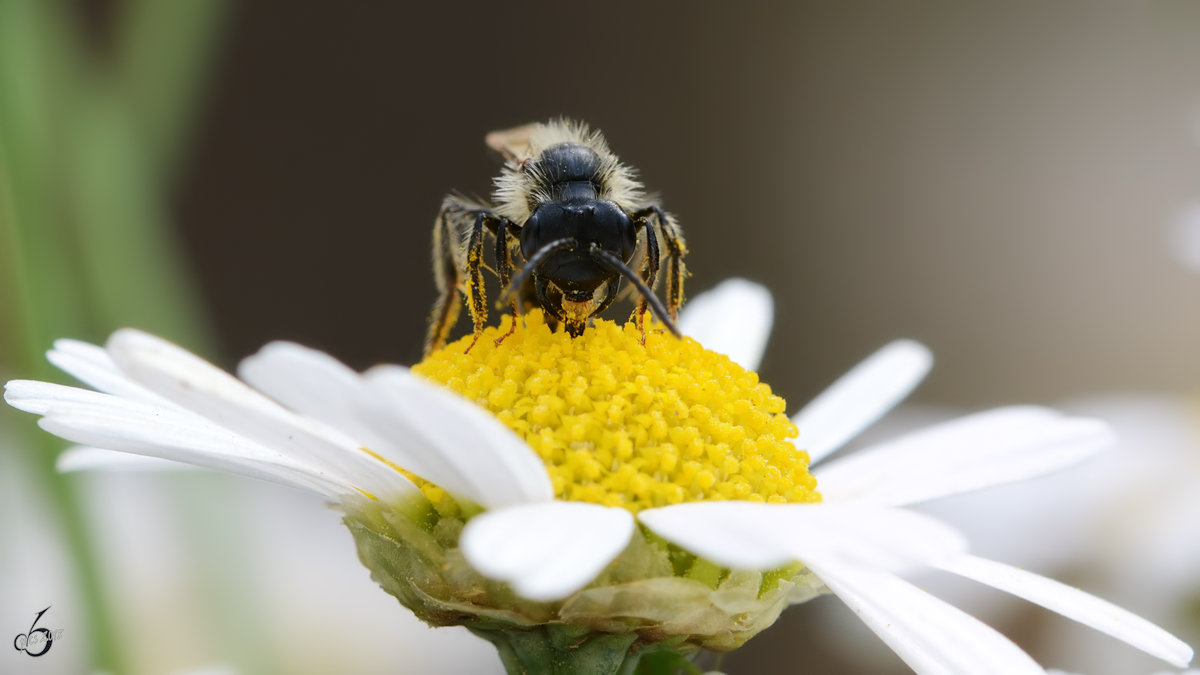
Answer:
(1183, 236)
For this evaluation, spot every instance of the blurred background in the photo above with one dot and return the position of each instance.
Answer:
(1014, 184)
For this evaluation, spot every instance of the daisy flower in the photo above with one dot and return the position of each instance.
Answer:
(591, 504)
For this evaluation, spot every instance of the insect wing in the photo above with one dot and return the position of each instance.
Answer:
(513, 143)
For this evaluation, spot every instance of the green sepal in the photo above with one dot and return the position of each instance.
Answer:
(653, 598)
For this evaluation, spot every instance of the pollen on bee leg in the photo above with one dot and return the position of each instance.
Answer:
(638, 318)
(511, 320)
(474, 339)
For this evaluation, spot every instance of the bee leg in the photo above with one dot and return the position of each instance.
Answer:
(446, 275)
(676, 249)
(505, 227)
(649, 273)
(475, 291)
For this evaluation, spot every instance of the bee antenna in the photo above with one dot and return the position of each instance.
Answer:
(533, 261)
(612, 262)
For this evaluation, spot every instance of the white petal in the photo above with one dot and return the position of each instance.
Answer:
(107, 421)
(732, 319)
(450, 441)
(753, 535)
(1075, 604)
(36, 397)
(546, 551)
(860, 397)
(413, 427)
(93, 366)
(85, 458)
(427, 430)
(308, 381)
(204, 389)
(930, 635)
(969, 453)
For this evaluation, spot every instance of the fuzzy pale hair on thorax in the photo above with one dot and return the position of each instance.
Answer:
(521, 185)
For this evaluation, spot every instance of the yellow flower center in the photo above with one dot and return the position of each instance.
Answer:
(624, 424)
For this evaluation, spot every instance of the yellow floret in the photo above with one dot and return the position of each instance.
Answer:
(626, 424)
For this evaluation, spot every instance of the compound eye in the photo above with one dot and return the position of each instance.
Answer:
(615, 230)
(531, 233)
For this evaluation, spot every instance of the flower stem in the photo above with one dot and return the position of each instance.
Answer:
(561, 650)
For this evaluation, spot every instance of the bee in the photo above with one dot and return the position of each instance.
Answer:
(571, 221)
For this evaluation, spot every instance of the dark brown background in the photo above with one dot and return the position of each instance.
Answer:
(994, 180)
